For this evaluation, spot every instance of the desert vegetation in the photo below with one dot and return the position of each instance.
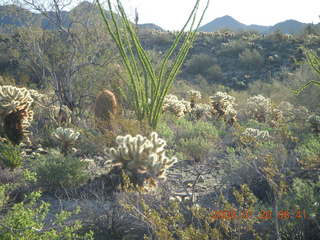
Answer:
(184, 135)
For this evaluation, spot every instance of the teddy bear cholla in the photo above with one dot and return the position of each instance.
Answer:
(140, 157)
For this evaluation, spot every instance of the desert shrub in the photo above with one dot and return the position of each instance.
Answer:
(169, 218)
(28, 220)
(166, 132)
(3, 195)
(251, 59)
(308, 151)
(251, 123)
(188, 129)
(302, 201)
(92, 142)
(56, 170)
(10, 155)
(199, 64)
(196, 148)
(233, 48)
(214, 73)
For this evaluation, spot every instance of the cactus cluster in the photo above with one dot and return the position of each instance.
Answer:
(256, 134)
(258, 107)
(261, 109)
(66, 137)
(201, 110)
(174, 105)
(223, 107)
(141, 158)
(194, 96)
(15, 112)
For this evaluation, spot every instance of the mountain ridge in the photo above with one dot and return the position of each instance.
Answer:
(290, 26)
(11, 15)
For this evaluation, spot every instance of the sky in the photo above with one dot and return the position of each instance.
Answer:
(171, 14)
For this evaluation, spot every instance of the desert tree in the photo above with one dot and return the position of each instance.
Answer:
(65, 50)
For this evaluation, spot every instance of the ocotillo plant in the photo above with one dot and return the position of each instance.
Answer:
(314, 62)
(148, 85)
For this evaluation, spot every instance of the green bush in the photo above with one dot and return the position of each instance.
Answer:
(196, 148)
(27, 221)
(182, 220)
(199, 64)
(309, 150)
(58, 171)
(188, 129)
(166, 132)
(233, 48)
(251, 59)
(303, 201)
(214, 73)
(10, 156)
(3, 195)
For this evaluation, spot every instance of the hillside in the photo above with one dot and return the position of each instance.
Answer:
(236, 59)
(227, 22)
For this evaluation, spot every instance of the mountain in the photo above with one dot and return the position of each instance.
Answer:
(288, 27)
(150, 26)
(258, 28)
(14, 16)
(227, 22)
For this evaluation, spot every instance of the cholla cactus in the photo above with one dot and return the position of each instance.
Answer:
(66, 137)
(193, 96)
(37, 97)
(314, 121)
(178, 107)
(15, 112)
(140, 157)
(14, 99)
(223, 106)
(258, 107)
(256, 133)
(261, 109)
(201, 110)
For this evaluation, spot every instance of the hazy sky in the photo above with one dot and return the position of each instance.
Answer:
(171, 14)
